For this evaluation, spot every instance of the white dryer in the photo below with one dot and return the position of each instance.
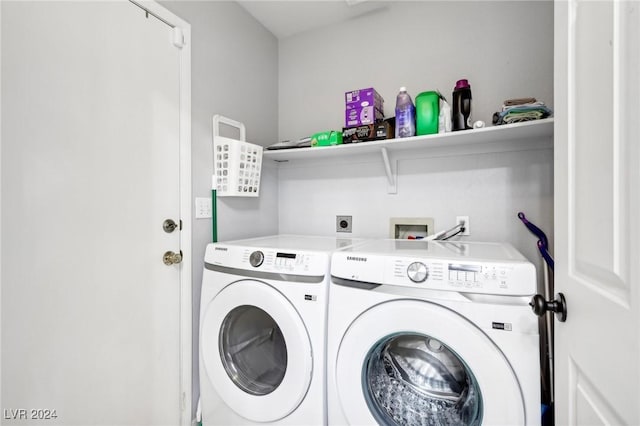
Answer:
(426, 333)
(263, 329)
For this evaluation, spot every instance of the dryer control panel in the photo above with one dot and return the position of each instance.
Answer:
(269, 260)
(280, 261)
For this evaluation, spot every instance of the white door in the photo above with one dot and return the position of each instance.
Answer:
(256, 351)
(90, 170)
(597, 206)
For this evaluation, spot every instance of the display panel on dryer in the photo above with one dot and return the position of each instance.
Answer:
(286, 255)
(285, 260)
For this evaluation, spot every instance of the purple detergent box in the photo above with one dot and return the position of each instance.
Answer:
(364, 97)
(363, 106)
(361, 116)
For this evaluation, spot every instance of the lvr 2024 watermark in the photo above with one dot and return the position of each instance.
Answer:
(29, 414)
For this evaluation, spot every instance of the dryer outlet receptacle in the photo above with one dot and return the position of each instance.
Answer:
(344, 223)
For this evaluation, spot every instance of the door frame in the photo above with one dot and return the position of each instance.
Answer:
(0, 197)
(186, 304)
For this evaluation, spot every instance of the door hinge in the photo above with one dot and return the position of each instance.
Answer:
(178, 37)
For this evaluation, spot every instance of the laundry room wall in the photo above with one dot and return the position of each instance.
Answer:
(504, 49)
(229, 45)
(490, 188)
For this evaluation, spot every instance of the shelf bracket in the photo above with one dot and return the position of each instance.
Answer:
(392, 187)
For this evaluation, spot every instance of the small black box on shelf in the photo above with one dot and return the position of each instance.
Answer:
(369, 132)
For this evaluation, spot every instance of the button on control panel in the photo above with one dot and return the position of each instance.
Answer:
(256, 258)
(417, 272)
(464, 275)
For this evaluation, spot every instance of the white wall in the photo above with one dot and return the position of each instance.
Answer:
(489, 188)
(505, 49)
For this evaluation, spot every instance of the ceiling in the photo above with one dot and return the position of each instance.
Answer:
(285, 18)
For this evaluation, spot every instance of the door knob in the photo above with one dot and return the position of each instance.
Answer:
(541, 306)
(169, 226)
(171, 258)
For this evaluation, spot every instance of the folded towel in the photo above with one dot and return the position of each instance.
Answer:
(520, 113)
(519, 101)
(515, 117)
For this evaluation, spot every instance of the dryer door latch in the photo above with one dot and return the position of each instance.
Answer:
(541, 306)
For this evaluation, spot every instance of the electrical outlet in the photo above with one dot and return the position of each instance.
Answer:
(203, 208)
(343, 223)
(465, 220)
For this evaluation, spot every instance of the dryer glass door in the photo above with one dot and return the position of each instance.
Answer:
(256, 350)
(253, 350)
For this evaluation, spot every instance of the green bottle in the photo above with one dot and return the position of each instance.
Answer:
(427, 112)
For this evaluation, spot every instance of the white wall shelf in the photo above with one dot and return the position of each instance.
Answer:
(512, 137)
(511, 133)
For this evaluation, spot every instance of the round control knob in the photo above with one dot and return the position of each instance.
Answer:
(256, 258)
(417, 272)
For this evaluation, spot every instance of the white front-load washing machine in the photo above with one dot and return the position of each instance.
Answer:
(263, 329)
(432, 333)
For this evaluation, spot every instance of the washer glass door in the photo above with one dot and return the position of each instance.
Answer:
(409, 377)
(413, 362)
(253, 350)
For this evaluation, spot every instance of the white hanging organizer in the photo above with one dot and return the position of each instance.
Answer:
(237, 164)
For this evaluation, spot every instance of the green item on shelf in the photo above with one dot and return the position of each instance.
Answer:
(330, 137)
(427, 113)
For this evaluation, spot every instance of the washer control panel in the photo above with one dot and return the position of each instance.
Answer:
(449, 275)
(508, 278)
